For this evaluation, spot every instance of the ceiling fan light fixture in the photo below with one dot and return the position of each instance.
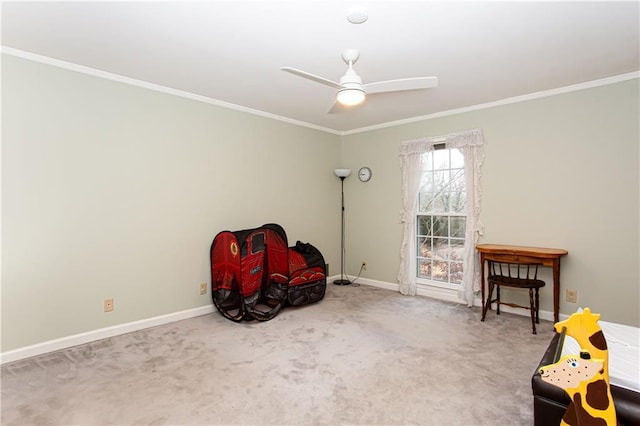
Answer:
(350, 96)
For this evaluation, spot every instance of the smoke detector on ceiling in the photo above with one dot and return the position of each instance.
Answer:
(357, 15)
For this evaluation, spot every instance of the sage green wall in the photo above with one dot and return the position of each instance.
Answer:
(560, 171)
(111, 190)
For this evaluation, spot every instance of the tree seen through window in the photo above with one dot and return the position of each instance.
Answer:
(441, 217)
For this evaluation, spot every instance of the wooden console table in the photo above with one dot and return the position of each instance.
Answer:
(503, 253)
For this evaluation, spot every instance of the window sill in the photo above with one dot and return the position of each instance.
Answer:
(437, 284)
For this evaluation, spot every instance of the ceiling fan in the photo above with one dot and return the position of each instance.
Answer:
(352, 92)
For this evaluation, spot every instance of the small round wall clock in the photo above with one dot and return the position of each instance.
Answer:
(364, 174)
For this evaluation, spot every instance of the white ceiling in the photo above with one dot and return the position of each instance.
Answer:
(232, 51)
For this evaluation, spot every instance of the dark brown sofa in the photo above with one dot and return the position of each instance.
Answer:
(550, 402)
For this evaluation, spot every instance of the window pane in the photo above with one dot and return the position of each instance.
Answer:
(440, 271)
(424, 225)
(456, 272)
(457, 226)
(458, 202)
(424, 268)
(440, 226)
(441, 159)
(457, 250)
(440, 248)
(428, 202)
(457, 180)
(426, 184)
(439, 204)
(440, 181)
(424, 246)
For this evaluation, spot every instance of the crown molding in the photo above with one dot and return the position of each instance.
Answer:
(156, 87)
(516, 99)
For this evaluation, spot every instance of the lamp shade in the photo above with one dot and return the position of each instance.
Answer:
(350, 96)
(342, 173)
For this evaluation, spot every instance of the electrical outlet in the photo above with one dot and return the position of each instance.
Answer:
(203, 288)
(572, 296)
(108, 305)
(364, 265)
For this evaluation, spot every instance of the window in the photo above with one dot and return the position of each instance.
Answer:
(441, 213)
(441, 217)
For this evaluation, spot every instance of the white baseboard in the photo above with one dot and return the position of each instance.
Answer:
(449, 296)
(102, 333)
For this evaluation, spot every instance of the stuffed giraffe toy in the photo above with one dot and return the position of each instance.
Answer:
(583, 326)
(582, 378)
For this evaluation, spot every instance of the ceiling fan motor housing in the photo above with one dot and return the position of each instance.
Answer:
(351, 92)
(351, 80)
(350, 55)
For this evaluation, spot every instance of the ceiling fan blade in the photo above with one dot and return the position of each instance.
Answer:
(401, 84)
(339, 108)
(312, 77)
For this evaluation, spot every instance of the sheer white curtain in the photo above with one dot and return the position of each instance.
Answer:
(471, 144)
(411, 165)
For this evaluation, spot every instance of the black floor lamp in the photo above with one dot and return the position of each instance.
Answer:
(342, 174)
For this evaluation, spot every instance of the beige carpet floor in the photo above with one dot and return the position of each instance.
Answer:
(362, 356)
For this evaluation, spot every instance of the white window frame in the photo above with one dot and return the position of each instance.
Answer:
(471, 144)
(427, 187)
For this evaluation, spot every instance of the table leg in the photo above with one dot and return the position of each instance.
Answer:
(556, 289)
(482, 279)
